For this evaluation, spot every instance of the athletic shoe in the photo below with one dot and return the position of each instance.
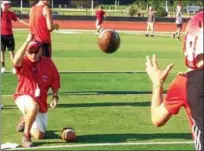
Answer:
(146, 35)
(26, 141)
(173, 36)
(1, 106)
(152, 35)
(3, 70)
(21, 125)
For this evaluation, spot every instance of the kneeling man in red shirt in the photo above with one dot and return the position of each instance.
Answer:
(36, 74)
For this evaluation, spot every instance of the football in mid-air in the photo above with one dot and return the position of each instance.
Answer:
(109, 41)
(68, 134)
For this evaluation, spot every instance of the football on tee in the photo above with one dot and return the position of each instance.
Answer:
(68, 134)
(108, 41)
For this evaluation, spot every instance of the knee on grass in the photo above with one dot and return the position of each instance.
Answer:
(36, 134)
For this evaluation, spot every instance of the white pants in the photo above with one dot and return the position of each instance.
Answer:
(40, 122)
(150, 26)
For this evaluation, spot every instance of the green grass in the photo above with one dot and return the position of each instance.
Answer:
(103, 107)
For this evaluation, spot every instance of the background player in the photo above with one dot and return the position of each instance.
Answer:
(41, 25)
(7, 37)
(150, 22)
(100, 15)
(179, 21)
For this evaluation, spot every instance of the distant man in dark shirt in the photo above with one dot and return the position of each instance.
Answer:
(150, 22)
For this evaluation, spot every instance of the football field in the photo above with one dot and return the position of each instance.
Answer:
(104, 97)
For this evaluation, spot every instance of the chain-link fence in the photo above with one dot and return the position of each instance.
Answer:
(112, 7)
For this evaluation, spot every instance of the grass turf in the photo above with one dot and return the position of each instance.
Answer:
(103, 107)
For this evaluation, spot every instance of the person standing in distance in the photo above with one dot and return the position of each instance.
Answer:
(179, 21)
(7, 36)
(34, 80)
(41, 25)
(100, 15)
(187, 89)
(150, 22)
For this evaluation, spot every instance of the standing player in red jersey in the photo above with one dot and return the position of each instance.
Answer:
(41, 25)
(100, 15)
(34, 80)
(7, 38)
(187, 89)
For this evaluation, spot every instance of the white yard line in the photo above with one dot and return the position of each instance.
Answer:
(79, 31)
(106, 144)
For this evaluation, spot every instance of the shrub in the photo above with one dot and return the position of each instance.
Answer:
(132, 10)
(161, 12)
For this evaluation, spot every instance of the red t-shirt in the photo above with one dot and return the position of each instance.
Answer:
(6, 22)
(38, 25)
(99, 15)
(176, 97)
(42, 74)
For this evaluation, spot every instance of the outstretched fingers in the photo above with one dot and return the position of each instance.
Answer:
(148, 62)
(166, 71)
(154, 61)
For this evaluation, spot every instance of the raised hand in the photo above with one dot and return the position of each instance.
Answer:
(156, 75)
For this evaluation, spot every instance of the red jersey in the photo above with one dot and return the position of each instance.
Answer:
(42, 74)
(6, 22)
(176, 97)
(99, 15)
(188, 91)
(38, 25)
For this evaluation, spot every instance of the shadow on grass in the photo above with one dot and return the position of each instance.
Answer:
(144, 103)
(114, 138)
(52, 134)
(103, 92)
(6, 107)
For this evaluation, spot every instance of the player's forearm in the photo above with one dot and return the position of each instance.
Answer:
(177, 14)
(17, 61)
(49, 25)
(23, 22)
(55, 92)
(157, 96)
(159, 113)
(55, 96)
(157, 100)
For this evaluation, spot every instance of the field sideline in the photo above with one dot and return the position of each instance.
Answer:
(107, 144)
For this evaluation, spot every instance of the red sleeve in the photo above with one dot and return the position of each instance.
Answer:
(20, 69)
(14, 17)
(176, 95)
(55, 84)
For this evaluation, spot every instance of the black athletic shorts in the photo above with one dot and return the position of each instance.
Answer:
(46, 49)
(7, 41)
(179, 25)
